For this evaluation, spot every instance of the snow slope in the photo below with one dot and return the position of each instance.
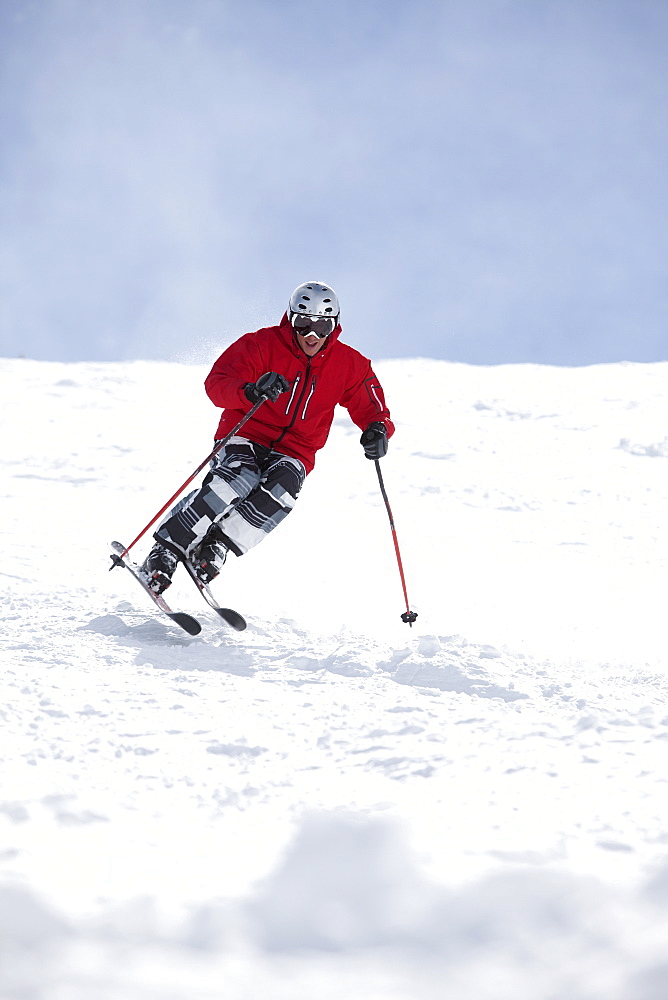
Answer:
(332, 804)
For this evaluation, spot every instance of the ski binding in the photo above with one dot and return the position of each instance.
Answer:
(186, 622)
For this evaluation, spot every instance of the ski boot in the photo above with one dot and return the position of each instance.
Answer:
(158, 568)
(207, 560)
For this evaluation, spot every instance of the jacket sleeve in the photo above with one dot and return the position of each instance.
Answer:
(365, 401)
(240, 363)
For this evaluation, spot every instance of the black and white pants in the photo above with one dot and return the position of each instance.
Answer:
(247, 492)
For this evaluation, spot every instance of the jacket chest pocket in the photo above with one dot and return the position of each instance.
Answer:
(308, 398)
(300, 396)
(295, 390)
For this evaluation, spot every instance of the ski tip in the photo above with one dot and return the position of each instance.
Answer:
(187, 622)
(116, 559)
(233, 618)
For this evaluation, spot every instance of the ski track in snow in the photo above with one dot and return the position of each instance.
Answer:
(331, 803)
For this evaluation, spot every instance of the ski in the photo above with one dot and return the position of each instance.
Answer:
(232, 618)
(186, 622)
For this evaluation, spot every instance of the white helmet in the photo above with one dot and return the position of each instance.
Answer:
(314, 299)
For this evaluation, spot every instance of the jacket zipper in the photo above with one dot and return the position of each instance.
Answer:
(292, 394)
(308, 399)
(372, 390)
(299, 403)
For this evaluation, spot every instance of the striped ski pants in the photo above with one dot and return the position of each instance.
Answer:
(247, 492)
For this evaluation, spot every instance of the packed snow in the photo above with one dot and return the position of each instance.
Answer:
(333, 804)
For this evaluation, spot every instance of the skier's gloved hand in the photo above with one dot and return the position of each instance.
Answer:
(374, 440)
(268, 386)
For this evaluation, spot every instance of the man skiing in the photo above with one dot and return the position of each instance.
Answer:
(301, 371)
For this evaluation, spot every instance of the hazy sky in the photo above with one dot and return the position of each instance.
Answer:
(480, 180)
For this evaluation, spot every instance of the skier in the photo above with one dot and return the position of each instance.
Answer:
(302, 371)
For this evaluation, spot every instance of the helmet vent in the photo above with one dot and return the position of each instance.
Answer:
(312, 298)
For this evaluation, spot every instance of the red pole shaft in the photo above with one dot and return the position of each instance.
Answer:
(189, 480)
(410, 615)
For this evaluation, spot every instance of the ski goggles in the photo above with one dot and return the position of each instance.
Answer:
(321, 326)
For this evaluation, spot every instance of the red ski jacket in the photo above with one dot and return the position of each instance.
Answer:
(298, 423)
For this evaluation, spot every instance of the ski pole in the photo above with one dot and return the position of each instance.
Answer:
(408, 615)
(219, 445)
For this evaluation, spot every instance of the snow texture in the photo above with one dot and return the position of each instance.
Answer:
(333, 804)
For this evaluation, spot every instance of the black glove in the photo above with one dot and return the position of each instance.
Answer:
(268, 386)
(374, 440)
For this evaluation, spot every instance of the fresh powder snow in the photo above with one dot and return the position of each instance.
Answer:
(333, 804)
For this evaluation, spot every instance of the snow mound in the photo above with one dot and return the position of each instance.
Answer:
(347, 882)
(345, 912)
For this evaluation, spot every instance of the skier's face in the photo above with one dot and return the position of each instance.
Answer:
(312, 331)
(309, 343)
